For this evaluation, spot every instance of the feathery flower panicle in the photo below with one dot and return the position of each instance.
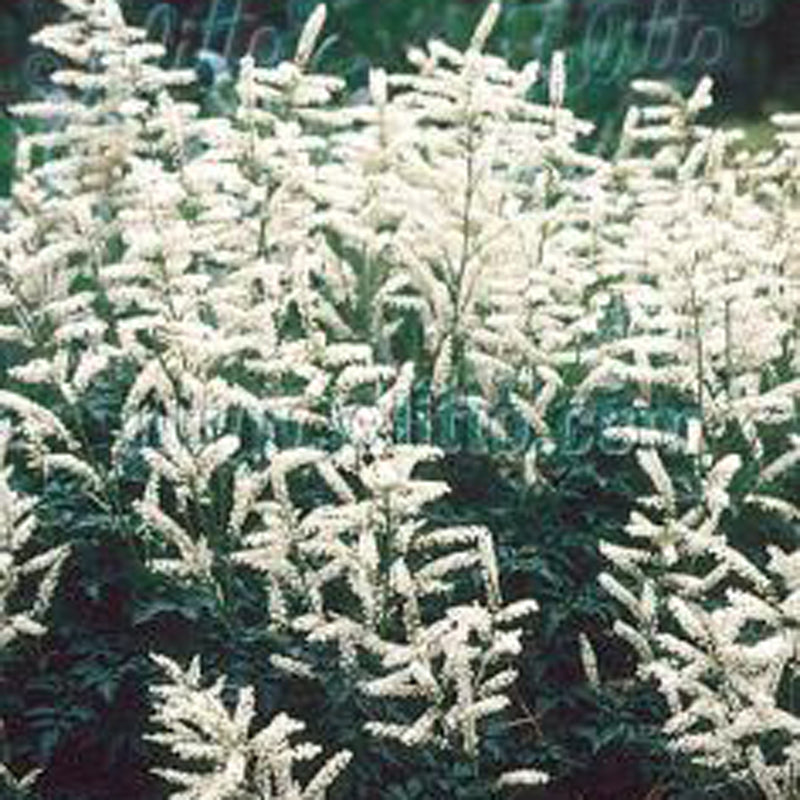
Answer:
(689, 624)
(309, 35)
(523, 777)
(20, 616)
(485, 26)
(558, 80)
(222, 757)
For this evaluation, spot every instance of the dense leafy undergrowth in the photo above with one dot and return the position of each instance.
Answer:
(399, 449)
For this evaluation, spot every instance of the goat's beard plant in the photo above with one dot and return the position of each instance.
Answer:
(301, 261)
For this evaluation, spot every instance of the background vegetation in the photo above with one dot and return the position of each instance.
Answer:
(751, 47)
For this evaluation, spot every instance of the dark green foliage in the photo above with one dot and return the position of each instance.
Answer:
(6, 154)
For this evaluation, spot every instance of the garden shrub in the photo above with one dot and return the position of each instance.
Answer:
(408, 424)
